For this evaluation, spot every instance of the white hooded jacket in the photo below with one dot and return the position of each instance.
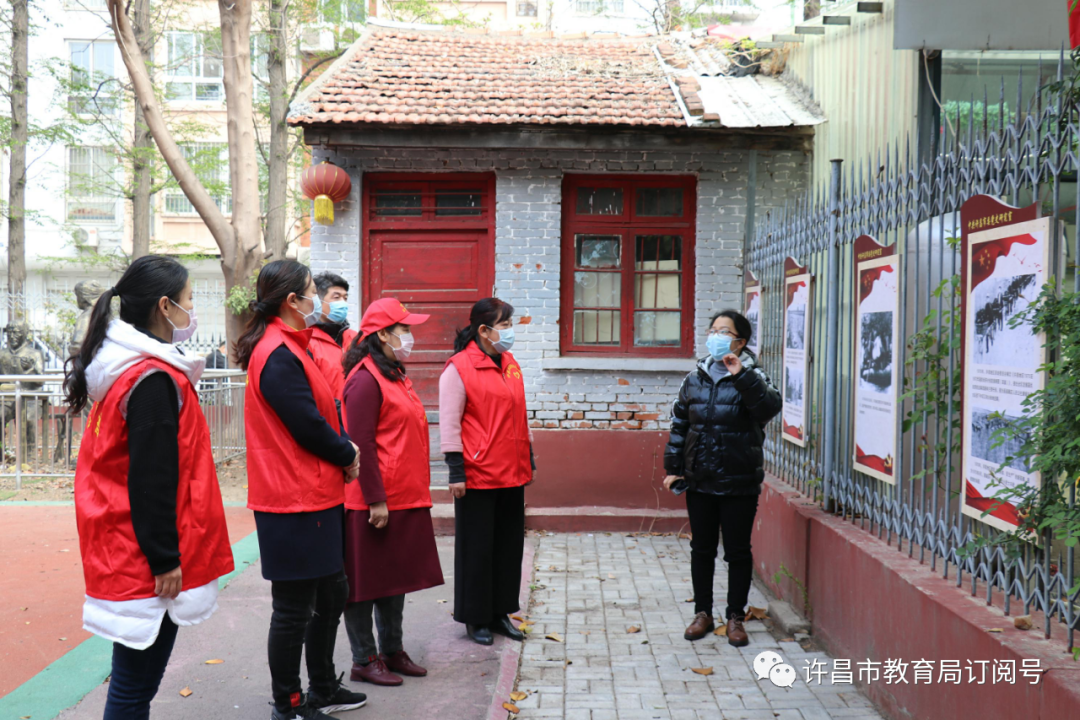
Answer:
(136, 623)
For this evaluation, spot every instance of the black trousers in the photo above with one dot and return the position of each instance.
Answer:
(136, 675)
(489, 540)
(306, 617)
(711, 516)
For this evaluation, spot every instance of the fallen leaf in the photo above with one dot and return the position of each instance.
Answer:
(63, 639)
(684, 536)
(689, 600)
(553, 636)
(721, 631)
(611, 576)
(441, 602)
(245, 487)
(525, 628)
(24, 717)
(552, 568)
(213, 662)
(756, 613)
(787, 639)
(1023, 623)
(702, 671)
(185, 692)
(65, 550)
(517, 617)
(517, 695)
(587, 632)
(511, 707)
(633, 629)
(994, 630)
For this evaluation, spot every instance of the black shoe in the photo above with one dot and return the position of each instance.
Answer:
(341, 700)
(480, 634)
(503, 626)
(303, 712)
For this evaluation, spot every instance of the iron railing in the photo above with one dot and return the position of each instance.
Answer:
(914, 205)
(39, 438)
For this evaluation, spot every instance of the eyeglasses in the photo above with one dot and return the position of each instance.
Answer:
(724, 331)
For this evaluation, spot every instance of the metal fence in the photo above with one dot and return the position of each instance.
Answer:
(1024, 155)
(40, 439)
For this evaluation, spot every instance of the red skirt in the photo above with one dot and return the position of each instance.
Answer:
(401, 558)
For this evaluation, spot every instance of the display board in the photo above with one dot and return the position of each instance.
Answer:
(798, 307)
(876, 374)
(1006, 269)
(752, 311)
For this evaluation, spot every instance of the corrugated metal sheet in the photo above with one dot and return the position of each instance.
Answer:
(867, 91)
(754, 101)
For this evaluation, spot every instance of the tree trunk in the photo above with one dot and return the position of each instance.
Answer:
(143, 145)
(20, 32)
(277, 211)
(238, 239)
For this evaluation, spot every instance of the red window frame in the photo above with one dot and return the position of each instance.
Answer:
(628, 225)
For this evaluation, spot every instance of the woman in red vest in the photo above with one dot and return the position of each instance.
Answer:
(389, 540)
(151, 524)
(297, 462)
(487, 442)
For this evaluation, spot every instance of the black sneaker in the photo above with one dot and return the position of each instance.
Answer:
(341, 700)
(302, 712)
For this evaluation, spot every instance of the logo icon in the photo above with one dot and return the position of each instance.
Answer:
(769, 665)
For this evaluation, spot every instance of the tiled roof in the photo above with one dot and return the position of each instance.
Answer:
(414, 77)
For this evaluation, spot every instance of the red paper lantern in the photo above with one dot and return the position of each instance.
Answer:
(326, 184)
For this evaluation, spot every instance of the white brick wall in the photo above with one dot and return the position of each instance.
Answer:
(527, 246)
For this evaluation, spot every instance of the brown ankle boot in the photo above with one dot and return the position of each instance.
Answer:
(736, 633)
(702, 626)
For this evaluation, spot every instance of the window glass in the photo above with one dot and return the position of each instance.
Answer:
(458, 203)
(652, 329)
(91, 182)
(399, 204)
(659, 202)
(597, 327)
(599, 201)
(598, 251)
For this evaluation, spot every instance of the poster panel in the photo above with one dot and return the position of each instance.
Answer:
(752, 311)
(876, 376)
(797, 309)
(1006, 270)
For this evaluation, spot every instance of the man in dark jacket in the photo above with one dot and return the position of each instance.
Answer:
(715, 454)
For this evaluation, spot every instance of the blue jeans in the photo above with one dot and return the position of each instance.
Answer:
(136, 675)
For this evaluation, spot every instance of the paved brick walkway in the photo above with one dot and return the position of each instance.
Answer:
(589, 589)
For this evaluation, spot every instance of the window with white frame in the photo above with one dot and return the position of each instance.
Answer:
(194, 70)
(92, 68)
(210, 162)
(339, 12)
(260, 72)
(597, 7)
(526, 8)
(91, 184)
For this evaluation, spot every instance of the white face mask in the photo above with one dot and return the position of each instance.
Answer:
(179, 335)
(315, 315)
(407, 341)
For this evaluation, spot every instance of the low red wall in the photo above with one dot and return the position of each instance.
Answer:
(871, 602)
(609, 468)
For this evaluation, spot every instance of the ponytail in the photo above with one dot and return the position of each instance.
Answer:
(276, 281)
(488, 312)
(139, 289)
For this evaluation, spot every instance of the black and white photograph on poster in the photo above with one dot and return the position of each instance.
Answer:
(997, 301)
(753, 314)
(793, 385)
(990, 444)
(796, 324)
(876, 358)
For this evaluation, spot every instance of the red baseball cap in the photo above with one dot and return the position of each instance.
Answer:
(387, 312)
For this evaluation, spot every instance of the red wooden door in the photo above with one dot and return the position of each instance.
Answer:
(429, 241)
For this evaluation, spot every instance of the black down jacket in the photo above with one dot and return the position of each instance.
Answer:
(718, 429)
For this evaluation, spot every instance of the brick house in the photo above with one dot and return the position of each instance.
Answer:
(600, 186)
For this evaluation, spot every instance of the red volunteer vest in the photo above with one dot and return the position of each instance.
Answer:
(327, 355)
(282, 476)
(403, 444)
(495, 426)
(114, 566)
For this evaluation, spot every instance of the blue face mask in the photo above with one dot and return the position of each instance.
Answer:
(718, 345)
(339, 311)
(505, 341)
